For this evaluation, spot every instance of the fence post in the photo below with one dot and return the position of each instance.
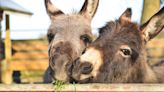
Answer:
(6, 71)
(1, 44)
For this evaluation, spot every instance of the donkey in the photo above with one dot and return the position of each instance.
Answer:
(68, 36)
(118, 55)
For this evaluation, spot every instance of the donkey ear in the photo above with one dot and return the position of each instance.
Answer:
(154, 25)
(126, 16)
(89, 8)
(51, 9)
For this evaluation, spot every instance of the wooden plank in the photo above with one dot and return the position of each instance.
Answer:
(84, 87)
(30, 55)
(155, 48)
(156, 52)
(156, 43)
(29, 65)
(33, 45)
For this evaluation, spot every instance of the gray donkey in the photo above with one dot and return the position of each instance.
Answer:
(118, 55)
(68, 36)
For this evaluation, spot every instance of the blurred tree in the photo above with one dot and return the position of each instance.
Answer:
(150, 7)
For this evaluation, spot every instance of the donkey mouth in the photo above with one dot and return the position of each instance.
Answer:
(86, 80)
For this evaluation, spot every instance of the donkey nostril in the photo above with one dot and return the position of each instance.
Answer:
(86, 68)
(83, 51)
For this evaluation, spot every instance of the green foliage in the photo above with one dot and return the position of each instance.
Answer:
(59, 85)
(74, 84)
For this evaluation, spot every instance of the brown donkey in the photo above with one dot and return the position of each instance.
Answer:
(118, 54)
(68, 36)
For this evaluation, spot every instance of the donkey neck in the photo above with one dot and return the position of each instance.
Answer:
(148, 75)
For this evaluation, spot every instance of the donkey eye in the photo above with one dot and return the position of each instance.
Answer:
(126, 52)
(86, 39)
(50, 37)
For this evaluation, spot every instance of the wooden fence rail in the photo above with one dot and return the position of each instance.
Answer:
(84, 87)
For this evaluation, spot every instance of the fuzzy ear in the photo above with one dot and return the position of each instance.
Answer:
(89, 8)
(126, 16)
(154, 25)
(51, 9)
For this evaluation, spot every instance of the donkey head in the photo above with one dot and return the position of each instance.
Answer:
(68, 35)
(118, 53)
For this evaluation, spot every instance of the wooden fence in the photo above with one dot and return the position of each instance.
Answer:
(84, 87)
(28, 55)
(32, 55)
(155, 50)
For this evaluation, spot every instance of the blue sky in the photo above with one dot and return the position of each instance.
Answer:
(26, 27)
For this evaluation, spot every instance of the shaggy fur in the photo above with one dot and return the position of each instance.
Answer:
(121, 44)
